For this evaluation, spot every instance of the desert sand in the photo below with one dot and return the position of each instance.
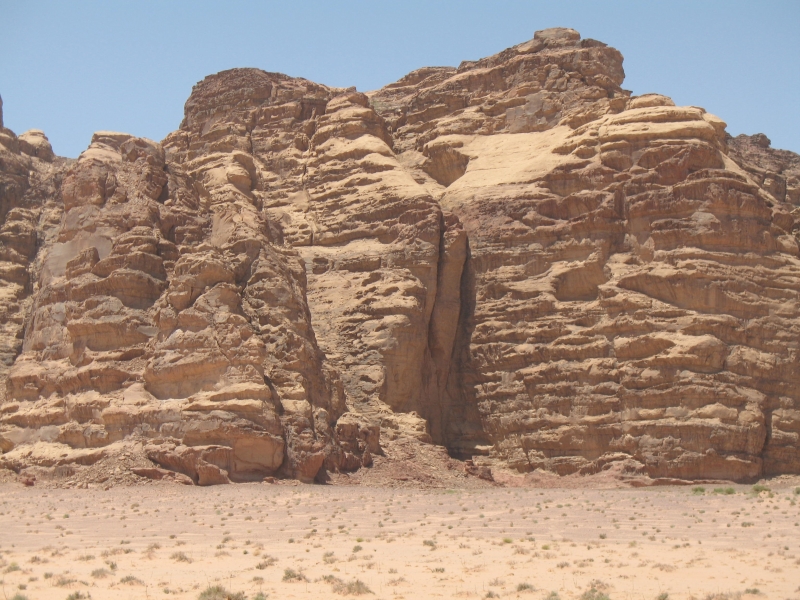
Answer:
(289, 540)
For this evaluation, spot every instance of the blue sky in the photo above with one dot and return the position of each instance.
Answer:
(72, 68)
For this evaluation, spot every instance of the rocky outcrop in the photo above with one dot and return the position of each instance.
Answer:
(777, 171)
(34, 143)
(634, 278)
(164, 313)
(515, 259)
(29, 213)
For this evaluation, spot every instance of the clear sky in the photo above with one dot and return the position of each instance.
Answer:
(71, 68)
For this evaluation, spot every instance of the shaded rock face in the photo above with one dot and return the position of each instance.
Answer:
(514, 258)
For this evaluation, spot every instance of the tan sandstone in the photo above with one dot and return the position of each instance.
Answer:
(514, 259)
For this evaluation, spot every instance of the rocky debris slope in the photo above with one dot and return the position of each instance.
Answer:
(514, 259)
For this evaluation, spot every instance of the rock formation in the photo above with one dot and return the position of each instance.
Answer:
(514, 259)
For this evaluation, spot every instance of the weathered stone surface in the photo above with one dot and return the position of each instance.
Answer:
(35, 143)
(515, 259)
(777, 171)
(165, 314)
(635, 286)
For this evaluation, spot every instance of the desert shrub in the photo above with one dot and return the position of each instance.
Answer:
(267, 561)
(594, 594)
(352, 588)
(217, 592)
(100, 573)
(292, 575)
(180, 557)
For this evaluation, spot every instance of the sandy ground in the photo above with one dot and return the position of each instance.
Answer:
(303, 541)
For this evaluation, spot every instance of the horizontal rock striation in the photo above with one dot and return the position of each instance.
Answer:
(635, 271)
(515, 259)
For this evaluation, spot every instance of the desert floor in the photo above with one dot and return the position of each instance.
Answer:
(309, 541)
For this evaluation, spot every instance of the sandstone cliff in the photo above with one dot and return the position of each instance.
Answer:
(514, 259)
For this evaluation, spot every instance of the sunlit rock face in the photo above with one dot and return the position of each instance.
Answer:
(515, 259)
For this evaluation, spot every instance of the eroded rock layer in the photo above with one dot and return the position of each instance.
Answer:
(164, 312)
(515, 259)
(634, 271)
